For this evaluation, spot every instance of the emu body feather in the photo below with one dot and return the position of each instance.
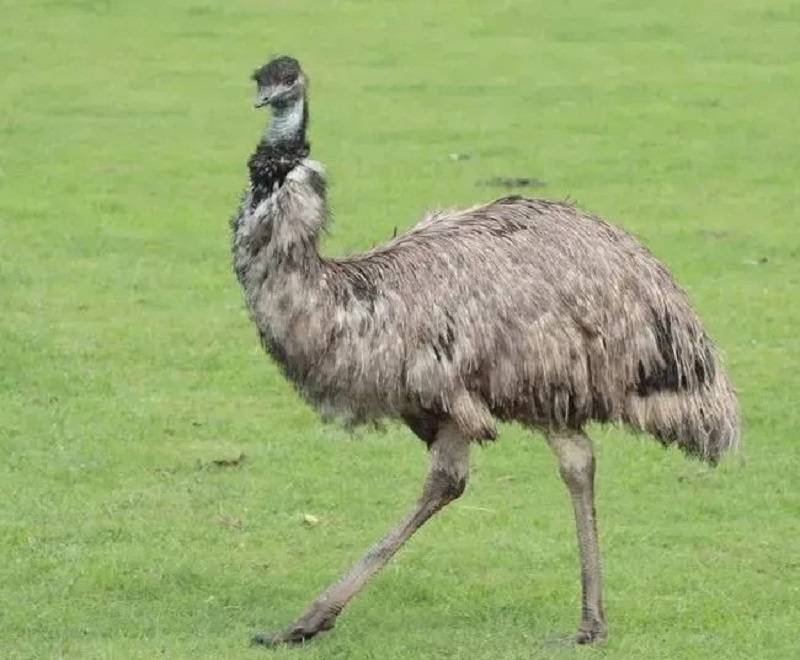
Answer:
(519, 309)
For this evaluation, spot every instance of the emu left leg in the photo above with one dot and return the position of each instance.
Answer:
(447, 478)
(576, 464)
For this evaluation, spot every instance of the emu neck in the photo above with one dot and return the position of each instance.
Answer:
(276, 229)
(288, 123)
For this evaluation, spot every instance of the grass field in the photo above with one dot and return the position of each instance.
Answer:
(128, 365)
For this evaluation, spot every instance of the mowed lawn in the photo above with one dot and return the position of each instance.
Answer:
(128, 365)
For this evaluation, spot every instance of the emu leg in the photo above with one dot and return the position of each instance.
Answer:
(446, 480)
(577, 464)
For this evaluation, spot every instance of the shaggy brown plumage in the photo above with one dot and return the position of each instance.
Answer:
(519, 309)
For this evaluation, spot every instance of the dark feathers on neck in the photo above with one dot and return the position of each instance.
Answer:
(272, 160)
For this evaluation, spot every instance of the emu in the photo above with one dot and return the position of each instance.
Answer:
(521, 310)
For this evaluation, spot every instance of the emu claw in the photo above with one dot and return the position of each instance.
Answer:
(278, 639)
(583, 636)
(291, 636)
(589, 635)
(296, 634)
(264, 639)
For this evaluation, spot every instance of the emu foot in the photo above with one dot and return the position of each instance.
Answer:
(588, 633)
(589, 636)
(300, 631)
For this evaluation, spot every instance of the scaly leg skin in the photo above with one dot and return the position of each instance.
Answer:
(446, 480)
(576, 464)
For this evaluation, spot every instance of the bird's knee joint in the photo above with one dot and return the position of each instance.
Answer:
(446, 486)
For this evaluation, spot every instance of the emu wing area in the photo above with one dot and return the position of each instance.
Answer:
(531, 308)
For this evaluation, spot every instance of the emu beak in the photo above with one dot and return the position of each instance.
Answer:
(261, 100)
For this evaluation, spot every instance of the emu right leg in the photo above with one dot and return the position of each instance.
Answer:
(576, 464)
(447, 478)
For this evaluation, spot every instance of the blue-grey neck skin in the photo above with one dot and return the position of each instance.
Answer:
(287, 123)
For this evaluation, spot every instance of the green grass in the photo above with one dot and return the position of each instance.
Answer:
(127, 363)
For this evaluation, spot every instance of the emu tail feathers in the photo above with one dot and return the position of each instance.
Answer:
(703, 422)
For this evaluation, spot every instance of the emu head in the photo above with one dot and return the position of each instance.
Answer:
(280, 82)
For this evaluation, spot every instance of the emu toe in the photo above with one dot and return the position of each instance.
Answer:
(590, 635)
(297, 633)
(585, 635)
(292, 636)
(265, 639)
